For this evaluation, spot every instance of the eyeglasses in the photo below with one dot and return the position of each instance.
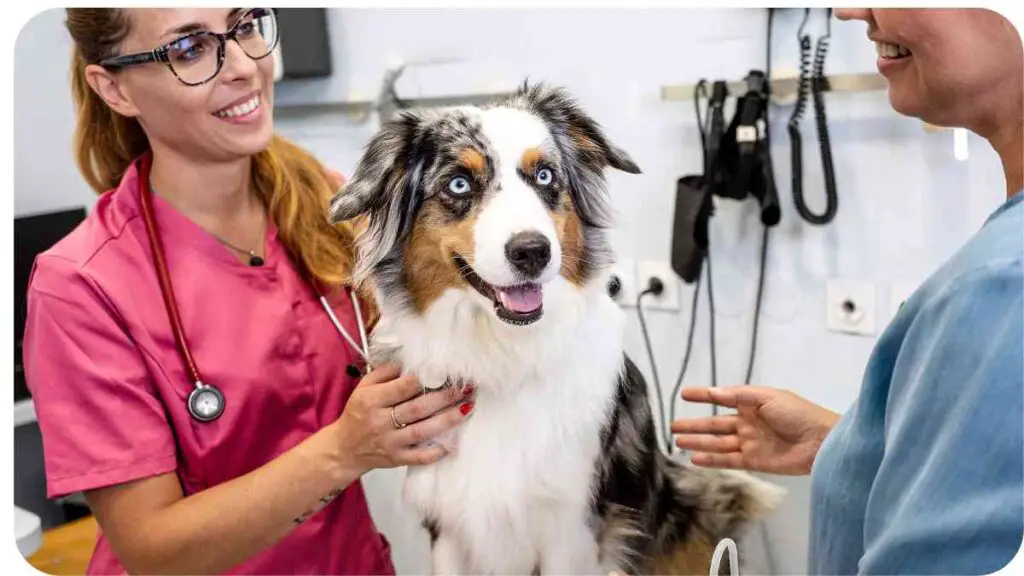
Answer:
(197, 57)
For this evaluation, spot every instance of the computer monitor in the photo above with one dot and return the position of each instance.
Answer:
(33, 235)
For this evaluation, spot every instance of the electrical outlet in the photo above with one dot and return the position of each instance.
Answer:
(850, 307)
(669, 298)
(622, 283)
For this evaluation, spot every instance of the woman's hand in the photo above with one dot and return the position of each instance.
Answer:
(369, 438)
(773, 431)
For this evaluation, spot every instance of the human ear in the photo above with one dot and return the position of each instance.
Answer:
(109, 88)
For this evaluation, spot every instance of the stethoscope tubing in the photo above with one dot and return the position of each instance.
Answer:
(167, 291)
(163, 276)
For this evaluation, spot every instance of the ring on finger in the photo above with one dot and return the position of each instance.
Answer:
(394, 420)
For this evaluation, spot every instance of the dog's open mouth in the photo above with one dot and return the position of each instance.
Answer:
(519, 305)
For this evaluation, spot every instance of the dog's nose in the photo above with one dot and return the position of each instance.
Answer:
(528, 252)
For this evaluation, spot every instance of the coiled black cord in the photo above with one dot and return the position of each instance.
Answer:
(813, 80)
(796, 149)
(818, 87)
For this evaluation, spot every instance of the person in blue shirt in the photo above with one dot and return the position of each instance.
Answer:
(924, 474)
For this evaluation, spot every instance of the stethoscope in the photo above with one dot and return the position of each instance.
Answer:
(206, 401)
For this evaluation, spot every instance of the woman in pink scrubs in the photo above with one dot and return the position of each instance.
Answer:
(272, 485)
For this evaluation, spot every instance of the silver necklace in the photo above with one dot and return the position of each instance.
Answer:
(254, 258)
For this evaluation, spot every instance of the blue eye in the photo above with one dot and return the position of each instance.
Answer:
(246, 29)
(459, 186)
(545, 177)
(188, 50)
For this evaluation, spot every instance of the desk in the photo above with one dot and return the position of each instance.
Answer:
(28, 531)
(67, 548)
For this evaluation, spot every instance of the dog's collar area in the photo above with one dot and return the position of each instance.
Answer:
(492, 293)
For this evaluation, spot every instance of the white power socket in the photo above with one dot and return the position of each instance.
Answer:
(850, 307)
(669, 298)
(624, 272)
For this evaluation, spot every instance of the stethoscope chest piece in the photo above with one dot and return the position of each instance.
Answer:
(205, 402)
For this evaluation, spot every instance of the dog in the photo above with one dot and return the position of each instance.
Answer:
(484, 242)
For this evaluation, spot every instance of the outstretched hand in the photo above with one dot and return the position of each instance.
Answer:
(773, 431)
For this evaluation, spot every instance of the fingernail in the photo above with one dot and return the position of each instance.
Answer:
(468, 389)
(466, 408)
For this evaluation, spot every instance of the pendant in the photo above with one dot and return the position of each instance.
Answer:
(255, 260)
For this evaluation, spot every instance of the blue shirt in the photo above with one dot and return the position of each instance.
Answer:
(925, 473)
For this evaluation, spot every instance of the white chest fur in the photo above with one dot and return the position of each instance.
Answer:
(520, 477)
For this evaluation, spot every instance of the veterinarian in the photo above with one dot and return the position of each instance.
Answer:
(254, 468)
(923, 475)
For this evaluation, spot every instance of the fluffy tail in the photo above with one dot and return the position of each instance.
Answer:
(726, 502)
(702, 507)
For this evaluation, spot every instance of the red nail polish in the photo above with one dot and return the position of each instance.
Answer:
(466, 408)
(468, 389)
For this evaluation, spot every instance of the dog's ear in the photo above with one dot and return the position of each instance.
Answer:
(385, 189)
(590, 141)
(582, 132)
(380, 172)
(584, 148)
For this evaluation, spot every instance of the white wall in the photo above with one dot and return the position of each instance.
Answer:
(45, 176)
(905, 203)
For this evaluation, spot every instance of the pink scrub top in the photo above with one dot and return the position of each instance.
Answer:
(110, 388)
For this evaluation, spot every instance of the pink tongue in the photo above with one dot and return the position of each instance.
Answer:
(521, 299)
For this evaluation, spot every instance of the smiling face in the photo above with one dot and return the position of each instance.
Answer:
(225, 118)
(947, 67)
(495, 202)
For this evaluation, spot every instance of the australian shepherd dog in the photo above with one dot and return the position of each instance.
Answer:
(484, 241)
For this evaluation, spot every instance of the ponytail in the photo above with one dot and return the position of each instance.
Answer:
(105, 142)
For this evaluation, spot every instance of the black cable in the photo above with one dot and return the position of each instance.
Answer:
(768, 53)
(711, 331)
(766, 233)
(655, 287)
(796, 150)
(818, 84)
(705, 127)
(757, 305)
(813, 81)
(699, 91)
(689, 348)
(765, 542)
(768, 85)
